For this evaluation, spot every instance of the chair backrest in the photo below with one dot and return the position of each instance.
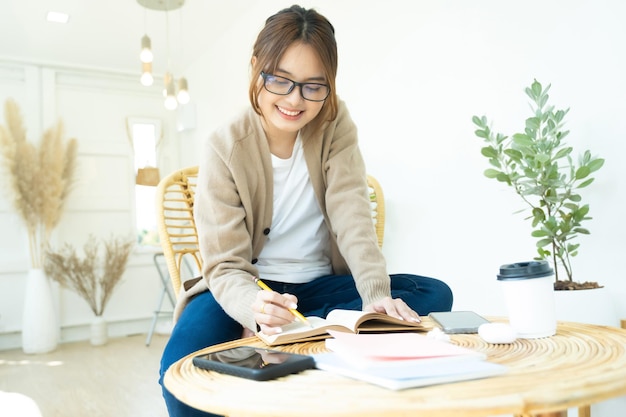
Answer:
(177, 228)
(377, 199)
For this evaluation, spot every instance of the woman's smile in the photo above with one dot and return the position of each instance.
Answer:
(289, 113)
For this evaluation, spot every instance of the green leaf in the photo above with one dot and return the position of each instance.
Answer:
(585, 183)
(582, 172)
(522, 139)
(575, 197)
(538, 214)
(502, 177)
(539, 233)
(533, 123)
(496, 163)
(482, 134)
(563, 152)
(544, 242)
(492, 173)
(536, 88)
(489, 152)
(596, 164)
(513, 154)
(584, 210)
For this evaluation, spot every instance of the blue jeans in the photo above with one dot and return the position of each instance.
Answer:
(204, 323)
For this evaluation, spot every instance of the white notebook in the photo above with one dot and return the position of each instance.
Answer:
(410, 376)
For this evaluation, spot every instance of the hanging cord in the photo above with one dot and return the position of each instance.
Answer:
(182, 39)
(167, 33)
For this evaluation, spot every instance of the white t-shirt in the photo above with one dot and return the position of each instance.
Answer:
(296, 248)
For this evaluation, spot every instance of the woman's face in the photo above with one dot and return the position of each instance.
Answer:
(287, 114)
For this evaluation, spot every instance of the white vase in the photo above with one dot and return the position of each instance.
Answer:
(592, 306)
(40, 328)
(99, 331)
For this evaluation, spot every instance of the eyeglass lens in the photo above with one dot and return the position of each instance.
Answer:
(283, 86)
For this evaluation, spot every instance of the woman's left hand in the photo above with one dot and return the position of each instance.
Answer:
(394, 307)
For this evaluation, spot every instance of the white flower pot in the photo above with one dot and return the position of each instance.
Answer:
(99, 331)
(40, 329)
(593, 306)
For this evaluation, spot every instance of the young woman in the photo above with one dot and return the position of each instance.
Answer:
(282, 195)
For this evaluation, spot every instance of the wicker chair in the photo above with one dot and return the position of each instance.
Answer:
(377, 199)
(177, 228)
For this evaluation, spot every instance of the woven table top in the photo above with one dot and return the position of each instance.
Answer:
(582, 364)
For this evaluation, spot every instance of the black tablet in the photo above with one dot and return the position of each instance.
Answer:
(254, 363)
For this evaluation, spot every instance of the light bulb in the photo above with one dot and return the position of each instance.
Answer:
(170, 91)
(146, 50)
(183, 91)
(170, 103)
(146, 74)
(167, 81)
(146, 79)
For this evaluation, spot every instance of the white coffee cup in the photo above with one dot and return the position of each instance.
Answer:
(529, 295)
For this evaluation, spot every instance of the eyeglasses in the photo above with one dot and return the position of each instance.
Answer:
(284, 86)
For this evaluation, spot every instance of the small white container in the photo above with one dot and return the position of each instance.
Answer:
(529, 295)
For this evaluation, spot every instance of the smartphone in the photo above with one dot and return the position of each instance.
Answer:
(254, 363)
(453, 322)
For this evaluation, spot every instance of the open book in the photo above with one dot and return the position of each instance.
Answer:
(353, 321)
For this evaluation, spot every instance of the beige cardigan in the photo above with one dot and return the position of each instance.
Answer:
(233, 211)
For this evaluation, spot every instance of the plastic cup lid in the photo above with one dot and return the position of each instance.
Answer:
(525, 270)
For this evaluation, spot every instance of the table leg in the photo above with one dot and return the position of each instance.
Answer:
(584, 411)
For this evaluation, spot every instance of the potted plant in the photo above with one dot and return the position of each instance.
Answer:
(538, 164)
(93, 277)
(39, 179)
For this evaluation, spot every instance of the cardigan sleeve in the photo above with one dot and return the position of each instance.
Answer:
(349, 210)
(231, 215)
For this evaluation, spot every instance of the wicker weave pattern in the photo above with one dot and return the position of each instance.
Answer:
(177, 228)
(377, 199)
(582, 364)
(175, 222)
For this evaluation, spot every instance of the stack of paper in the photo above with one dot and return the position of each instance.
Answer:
(402, 360)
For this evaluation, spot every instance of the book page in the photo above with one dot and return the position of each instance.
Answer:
(359, 321)
(297, 331)
(346, 318)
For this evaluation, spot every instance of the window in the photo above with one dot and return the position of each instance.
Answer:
(145, 135)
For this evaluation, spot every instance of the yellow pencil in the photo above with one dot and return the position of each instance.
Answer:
(293, 311)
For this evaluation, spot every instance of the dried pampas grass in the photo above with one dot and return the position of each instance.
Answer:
(39, 178)
(92, 277)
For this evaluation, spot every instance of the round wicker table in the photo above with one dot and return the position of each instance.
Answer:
(582, 364)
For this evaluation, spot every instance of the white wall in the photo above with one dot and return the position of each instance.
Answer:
(413, 74)
(93, 106)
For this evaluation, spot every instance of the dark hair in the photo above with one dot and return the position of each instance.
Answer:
(296, 24)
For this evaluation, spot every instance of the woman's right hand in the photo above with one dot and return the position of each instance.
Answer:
(271, 310)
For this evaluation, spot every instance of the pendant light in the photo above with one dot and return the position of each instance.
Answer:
(172, 96)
